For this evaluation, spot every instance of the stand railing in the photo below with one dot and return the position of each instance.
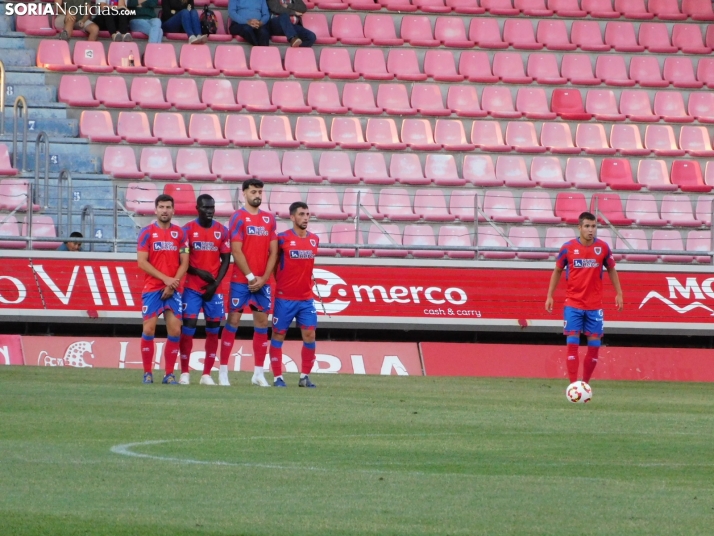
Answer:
(20, 104)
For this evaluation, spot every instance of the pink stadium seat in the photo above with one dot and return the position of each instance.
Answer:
(421, 235)
(324, 98)
(288, 97)
(533, 103)
(665, 9)
(537, 207)
(197, 61)
(77, 91)
(654, 175)
(492, 237)
(110, 91)
(701, 106)
(431, 6)
(612, 71)
(230, 60)
(344, 233)
(680, 73)
(523, 138)
(380, 30)
(217, 93)
(486, 33)
(578, 70)
(133, 127)
(696, 141)
(375, 237)
(9, 227)
(301, 63)
(700, 241)
(140, 197)
(677, 210)
(566, 8)
(669, 105)
(266, 62)
(512, 170)
(441, 169)
(404, 65)
(555, 237)
(466, 7)
(418, 135)
(206, 130)
(359, 99)
(703, 209)
(98, 127)
(602, 104)
(635, 104)
(182, 94)
(416, 30)
(430, 205)
(281, 197)
(148, 93)
(161, 59)
(228, 165)
(395, 204)
(170, 128)
(519, 34)
(393, 98)
(463, 101)
(487, 136)
(336, 64)
(277, 132)
(633, 9)
(670, 241)
(533, 8)
(451, 136)
(317, 23)
(586, 35)
(312, 133)
(347, 133)
(324, 203)
(382, 133)
(452, 32)
(241, 131)
(569, 206)
(621, 37)
(299, 166)
(222, 196)
(43, 226)
(705, 71)
(336, 168)
(526, 237)
(157, 163)
(372, 168)
(462, 205)
(500, 206)
(265, 165)
(36, 25)
(192, 164)
(120, 162)
(661, 140)
(347, 28)
(89, 56)
(509, 68)
(698, 9)
(14, 195)
(6, 168)
(636, 239)
(599, 9)
(370, 64)
(118, 51)
(554, 35)
(654, 36)
(544, 69)
(568, 104)
(688, 176)
(581, 173)
(406, 169)
(253, 96)
(498, 102)
(617, 174)
(53, 55)
(499, 7)
(546, 172)
(427, 100)
(457, 236)
(480, 171)
(627, 141)
(476, 67)
(642, 208)
(439, 66)
(688, 39)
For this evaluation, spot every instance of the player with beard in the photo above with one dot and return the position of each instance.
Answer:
(254, 245)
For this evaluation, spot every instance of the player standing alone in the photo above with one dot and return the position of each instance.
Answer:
(254, 245)
(209, 258)
(293, 294)
(583, 260)
(162, 253)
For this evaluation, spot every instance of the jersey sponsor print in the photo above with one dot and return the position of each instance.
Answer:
(164, 247)
(255, 231)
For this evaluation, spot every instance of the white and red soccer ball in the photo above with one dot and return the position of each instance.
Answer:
(579, 392)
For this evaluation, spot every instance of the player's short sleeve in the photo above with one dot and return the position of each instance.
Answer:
(317, 239)
(281, 239)
(237, 229)
(273, 228)
(561, 260)
(143, 241)
(183, 241)
(608, 260)
(225, 246)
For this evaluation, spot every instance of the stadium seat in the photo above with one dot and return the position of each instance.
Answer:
(609, 205)
(324, 98)
(537, 207)
(288, 97)
(133, 127)
(578, 70)
(568, 104)
(359, 99)
(140, 197)
(698, 9)
(498, 102)
(451, 32)
(430, 205)
(695, 141)
(512, 170)
(636, 106)
(509, 68)
(43, 226)
(642, 208)
(670, 241)
(462, 205)
(241, 131)
(519, 34)
(476, 67)
(654, 36)
(701, 106)
(544, 69)
(554, 35)
(119, 51)
(688, 39)
(366, 200)
(266, 61)
(230, 60)
(336, 64)
(372, 169)
(14, 195)
(705, 72)
(265, 165)
(463, 101)
(480, 171)
(182, 94)
(546, 172)
(680, 73)
(456, 236)
(206, 130)
(660, 139)
(466, 7)
(6, 168)
(157, 163)
(566, 8)
(161, 59)
(344, 233)
(439, 65)
(347, 133)
(281, 197)
(677, 210)
(404, 65)
(324, 203)
(430, 6)
(599, 9)
(9, 227)
(612, 71)
(586, 35)
(406, 169)
(654, 175)
(170, 128)
(395, 204)
(311, 132)
(617, 174)
(336, 168)
(555, 237)
(277, 132)
(77, 91)
(301, 63)
(197, 61)
(253, 96)
(602, 104)
(665, 9)
(500, 206)
(299, 166)
(222, 196)
(35, 25)
(418, 135)
(380, 30)
(317, 23)
(451, 136)
(703, 209)
(488, 237)
(98, 127)
(441, 169)
(627, 141)
(89, 56)
(192, 164)
(347, 29)
(700, 241)
(523, 138)
(487, 136)
(687, 174)
(499, 7)
(592, 139)
(421, 235)
(217, 93)
(582, 174)
(533, 103)
(148, 93)
(53, 55)
(416, 30)
(621, 37)
(669, 105)
(382, 133)
(227, 165)
(486, 33)
(526, 237)
(426, 99)
(569, 206)
(111, 91)
(370, 64)
(120, 162)
(637, 240)
(633, 9)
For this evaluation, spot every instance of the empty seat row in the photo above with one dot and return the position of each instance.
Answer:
(43, 226)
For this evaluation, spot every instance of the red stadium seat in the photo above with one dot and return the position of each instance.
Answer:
(459, 236)
(462, 205)
(569, 206)
(533, 103)
(421, 235)
(599, 9)
(347, 28)
(568, 104)
(120, 51)
(281, 197)
(696, 141)
(324, 98)
(463, 101)
(578, 70)
(519, 34)
(586, 35)
(700, 241)
(380, 30)
(488, 237)
(688, 176)
(646, 72)
(609, 205)
(140, 197)
(633, 9)
(317, 23)
(555, 237)
(665, 9)
(498, 102)
(636, 239)
(393, 98)
(301, 63)
(395, 204)
(533, 8)
(222, 196)
(336, 64)
(526, 237)
(9, 227)
(487, 136)
(592, 139)
(277, 132)
(416, 30)
(523, 138)
(670, 241)
(617, 174)
(376, 237)
(544, 69)
(512, 170)
(698, 9)
(500, 206)
(486, 33)
(636, 106)
(299, 166)
(688, 39)
(324, 203)
(452, 33)
(621, 37)
(111, 91)
(602, 104)
(35, 24)
(669, 105)
(500, 7)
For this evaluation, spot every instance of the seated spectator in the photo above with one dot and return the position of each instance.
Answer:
(76, 20)
(179, 16)
(249, 19)
(113, 19)
(72, 246)
(287, 20)
(145, 21)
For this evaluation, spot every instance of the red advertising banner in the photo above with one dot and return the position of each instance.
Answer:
(531, 361)
(332, 357)
(11, 350)
(510, 294)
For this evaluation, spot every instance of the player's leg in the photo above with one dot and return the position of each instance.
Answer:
(214, 312)
(260, 303)
(151, 307)
(307, 322)
(572, 327)
(172, 315)
(192, 304)
(594, 331)
(283, 315)
(239, 295)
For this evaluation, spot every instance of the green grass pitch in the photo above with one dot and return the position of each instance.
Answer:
(358, 455)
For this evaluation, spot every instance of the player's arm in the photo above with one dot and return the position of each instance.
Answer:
(269, 268)
(240, 260)
(554, 279)
(144, 265)
(615, 278)
(211, 289)
(203, 274)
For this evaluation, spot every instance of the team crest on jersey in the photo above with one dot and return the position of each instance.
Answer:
(217, 234)
(313, 243)
(235, 302)
(174, 234)
(597, 250)
(144, 309)
(266, 219)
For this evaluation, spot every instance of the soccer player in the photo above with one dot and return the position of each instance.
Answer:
(209, 258)
(254, 245)
(162, 253)
(293, 294)
(583, 260)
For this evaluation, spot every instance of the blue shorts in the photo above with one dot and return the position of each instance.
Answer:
(581, 321)
(302, 310)
(241, 296)
(193, 303)
(153, 305)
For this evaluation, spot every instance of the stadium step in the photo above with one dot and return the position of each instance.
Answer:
(55, 127)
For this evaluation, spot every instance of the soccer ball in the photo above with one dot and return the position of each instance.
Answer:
(578, 393)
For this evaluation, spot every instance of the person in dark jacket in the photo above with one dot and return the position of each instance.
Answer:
(287, 20)
(145, 21)
(113, 18)
(249, 19)
(179, 16)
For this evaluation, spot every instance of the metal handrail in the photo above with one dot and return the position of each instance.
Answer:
(42, 136)
(88, 213)
(19, 102)
(2, 98)
(64, 177)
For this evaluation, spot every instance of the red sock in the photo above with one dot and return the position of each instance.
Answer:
(590, 362)
(308, 357)
(147, 352)
(211, 349)
(171, 353)
(227, 339)
(260, 345)
(185, 346)
(573, 361)
(276, 359)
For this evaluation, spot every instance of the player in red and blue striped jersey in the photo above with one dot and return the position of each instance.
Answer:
(209, 259)
(297, 248)
(162, 253)
(583, 259)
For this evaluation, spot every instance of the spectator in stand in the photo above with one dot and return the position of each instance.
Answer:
(249, 19)
(75, 20)
(113, 18)
(180, 16)
(72, 246)
(287, 20)
(145, 21)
